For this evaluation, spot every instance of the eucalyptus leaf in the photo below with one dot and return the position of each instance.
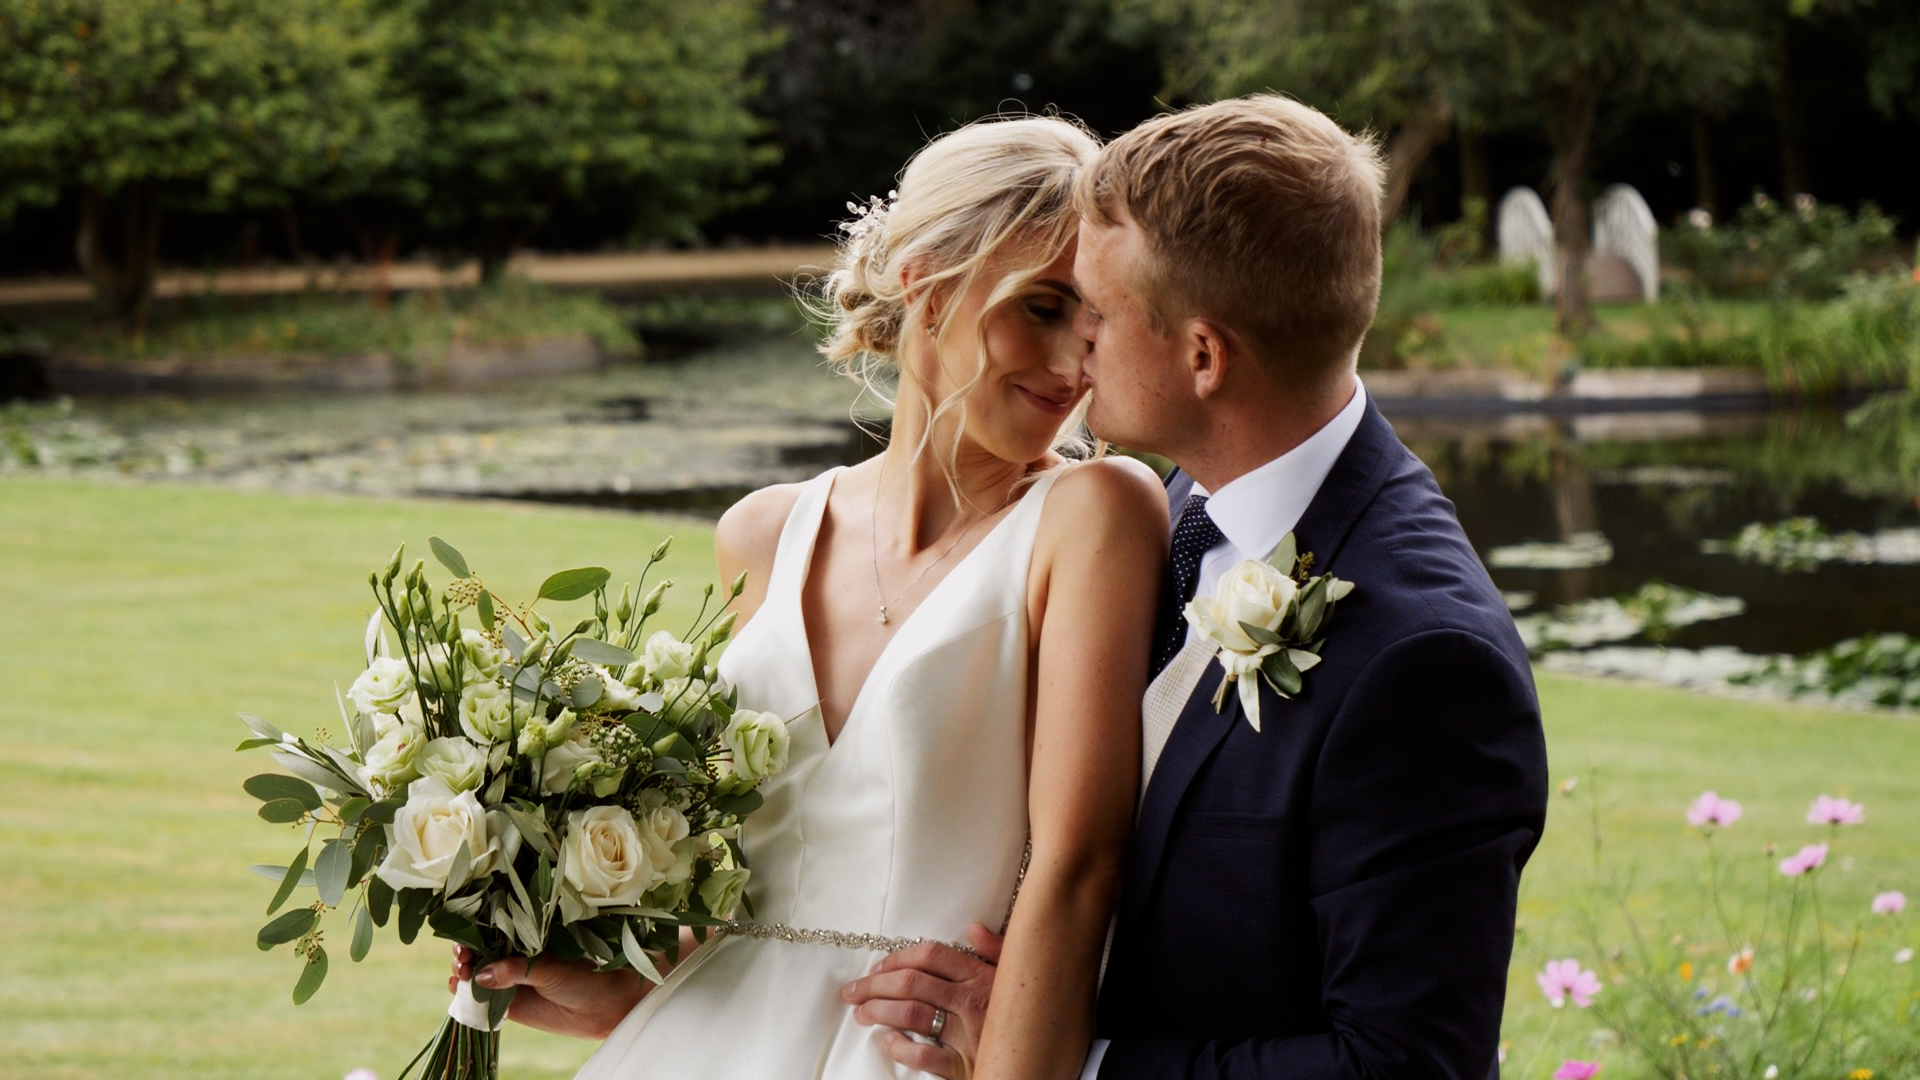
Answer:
(349, 769)
(1313, 608)
(1285, 554)
(254, 744)
(1337, 589)
(1260, 634)
(283, 811)
(289, 926)
(466, 908)
(461, 870)
(311, 977)
(498, 1002)
(274, 872)
(574, 584)
(742, 804)
(330, 871)
(592, 943)
(413, 912)
(456, 926)
(261, 727)
(1282, 673)
(449, 558)
(587, 691)
(485, 607)
(312, 771)
(379, 900)
(637, 956)
(292, 877)
(595, 651)
(382, 812)
(351, 810)
(268, 787)
(515, 643)
(362, 934)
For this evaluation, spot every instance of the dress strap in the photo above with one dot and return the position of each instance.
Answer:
(795, 551)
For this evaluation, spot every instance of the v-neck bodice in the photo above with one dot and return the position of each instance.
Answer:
(910, 824)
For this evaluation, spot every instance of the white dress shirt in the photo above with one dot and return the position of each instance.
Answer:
(1255, 512)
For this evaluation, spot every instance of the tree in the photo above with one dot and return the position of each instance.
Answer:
(532, 103)
(1396, 66)
(138, 106)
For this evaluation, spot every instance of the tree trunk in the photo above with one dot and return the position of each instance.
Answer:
(1706, 183)
(1794, 176)
(122, 273)
(1476, 179)
(1572, 136)
(1410, 147)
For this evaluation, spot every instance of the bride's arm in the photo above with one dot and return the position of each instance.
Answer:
(1101, 548)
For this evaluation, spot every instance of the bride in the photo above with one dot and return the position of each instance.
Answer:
(961, 627)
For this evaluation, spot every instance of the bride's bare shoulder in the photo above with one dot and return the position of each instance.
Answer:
(750, 529)
(1112, 488)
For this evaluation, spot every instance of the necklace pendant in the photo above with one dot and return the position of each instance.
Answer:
(883, 614)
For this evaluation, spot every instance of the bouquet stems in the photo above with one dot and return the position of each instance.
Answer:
(458, 1052)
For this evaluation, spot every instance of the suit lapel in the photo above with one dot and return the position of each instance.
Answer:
(1356, 476)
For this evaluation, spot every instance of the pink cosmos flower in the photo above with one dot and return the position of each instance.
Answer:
(1576, 1070)
(361, 1074)
(1890, 903)
(1827, 810)
(1711, 809)
(1811, 857)
(1565, 979)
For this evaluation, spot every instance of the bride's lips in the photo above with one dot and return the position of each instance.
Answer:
(1052, 405)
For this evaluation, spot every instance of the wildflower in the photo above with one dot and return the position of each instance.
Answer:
(1565, 979)
(1686, 971)
(1772, 1073)
(1567, 785)
(1890, 903)
(1827, 810)
(1504, 1047)
(1860, 1074)
(1741, 962)
(1681, 1039)
(1576, 1070)
(1811, 857)
(1700, 219)
(1722, 1004)
(1902, 956)
(361, 1074)
(1710, 810)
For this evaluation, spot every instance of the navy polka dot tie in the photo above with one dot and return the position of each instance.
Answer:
(1192, 538)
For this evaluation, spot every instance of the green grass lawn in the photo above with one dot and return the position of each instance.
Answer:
(1520, 337)
(141, 618)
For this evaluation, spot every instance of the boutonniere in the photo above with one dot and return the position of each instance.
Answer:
(1265, 621)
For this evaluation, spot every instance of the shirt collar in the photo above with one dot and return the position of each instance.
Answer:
(1256, 510)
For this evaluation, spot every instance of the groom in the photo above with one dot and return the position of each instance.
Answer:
(1331, 895)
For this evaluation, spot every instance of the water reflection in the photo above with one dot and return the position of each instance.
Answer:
(691, 436)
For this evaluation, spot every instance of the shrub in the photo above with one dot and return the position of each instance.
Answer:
(1768, 250)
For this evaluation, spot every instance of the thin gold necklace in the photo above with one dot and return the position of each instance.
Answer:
(873, 533)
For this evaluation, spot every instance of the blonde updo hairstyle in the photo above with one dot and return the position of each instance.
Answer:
(996, 191)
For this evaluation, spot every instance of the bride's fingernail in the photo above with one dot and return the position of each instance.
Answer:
(847, 991)
(485, 978)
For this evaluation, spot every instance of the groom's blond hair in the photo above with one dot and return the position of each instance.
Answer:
(1259, 213)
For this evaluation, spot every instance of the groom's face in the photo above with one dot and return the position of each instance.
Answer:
(1142, 390)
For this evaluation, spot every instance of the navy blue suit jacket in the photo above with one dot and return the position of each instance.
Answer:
(1333, 896)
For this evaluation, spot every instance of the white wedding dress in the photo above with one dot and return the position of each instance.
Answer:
(910, 824)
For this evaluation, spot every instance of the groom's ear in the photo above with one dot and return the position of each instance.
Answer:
(1212, 351)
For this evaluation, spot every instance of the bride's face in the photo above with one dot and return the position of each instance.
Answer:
(1032, 380)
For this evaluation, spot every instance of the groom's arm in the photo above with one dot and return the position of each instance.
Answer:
(1428, 796)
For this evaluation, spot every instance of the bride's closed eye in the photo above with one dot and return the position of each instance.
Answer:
(1047, 308)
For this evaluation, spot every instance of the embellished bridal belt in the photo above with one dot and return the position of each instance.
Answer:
(794, 935)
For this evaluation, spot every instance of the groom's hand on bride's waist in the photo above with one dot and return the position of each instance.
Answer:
(567, 997)
(906, 988)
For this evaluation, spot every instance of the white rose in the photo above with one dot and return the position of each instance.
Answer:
(1252, 592)
(455, 762)
(394, 759)
(664, 830)
(488, 713)
(483, 656)
(722, 890)
(683, 698)
(760, 743)
(427, 832)
(667, 657)
(605, 857)
(382, 687)
(564, 761)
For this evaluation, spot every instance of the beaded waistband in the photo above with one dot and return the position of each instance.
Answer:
(794, 935)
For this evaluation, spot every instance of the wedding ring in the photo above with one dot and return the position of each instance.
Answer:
(939, 1024)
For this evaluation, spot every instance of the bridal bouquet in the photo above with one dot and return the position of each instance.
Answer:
(517, 788)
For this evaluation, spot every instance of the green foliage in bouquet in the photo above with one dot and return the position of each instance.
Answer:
(518, 789)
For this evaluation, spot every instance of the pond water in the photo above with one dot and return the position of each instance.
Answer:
(1565, 509)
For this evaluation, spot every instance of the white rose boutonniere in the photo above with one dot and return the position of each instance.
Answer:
(1265, 622)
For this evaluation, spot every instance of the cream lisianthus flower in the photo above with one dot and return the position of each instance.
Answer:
(382, 687)
(394, 760)
(427, 833)
(666, 657)
(455, 762)
(605, 857)
(574, 759)
(488, 713)
(482, 655)
(760, 744)
(722, 890)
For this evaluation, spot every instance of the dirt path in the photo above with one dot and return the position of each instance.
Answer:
(621, 270)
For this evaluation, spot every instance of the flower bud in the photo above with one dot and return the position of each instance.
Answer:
(722, 628)
(740, 583)
(393, 564)
(583, 626)
(624, 611)
(660, 551)
(652, 603)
